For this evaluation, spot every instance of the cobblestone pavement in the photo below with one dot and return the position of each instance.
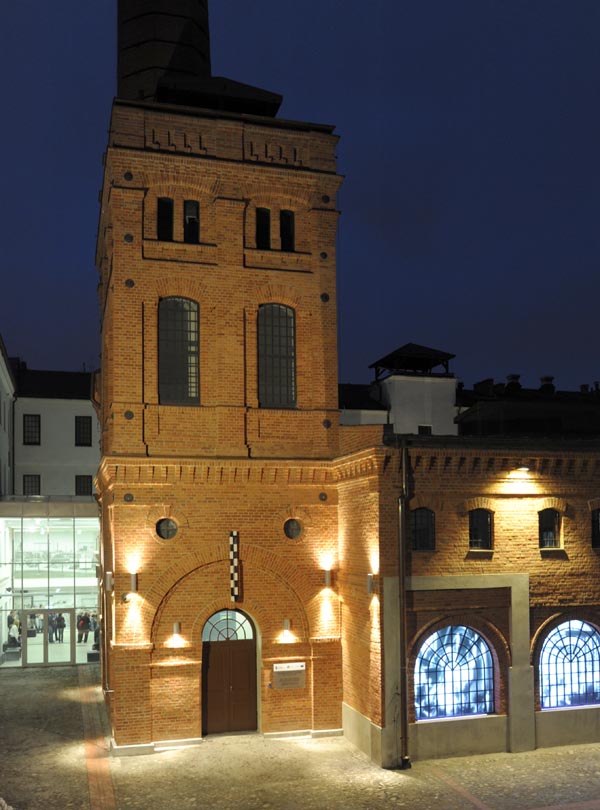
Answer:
(54, 755)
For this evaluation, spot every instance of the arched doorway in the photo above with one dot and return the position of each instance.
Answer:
(228, 673)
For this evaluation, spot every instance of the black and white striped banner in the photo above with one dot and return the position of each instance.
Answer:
(234, 566)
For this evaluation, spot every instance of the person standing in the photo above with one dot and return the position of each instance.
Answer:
(60, 627)
(86, 626)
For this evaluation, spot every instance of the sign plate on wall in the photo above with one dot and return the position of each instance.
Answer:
(289, 676)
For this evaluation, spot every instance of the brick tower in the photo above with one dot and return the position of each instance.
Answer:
(216, 254)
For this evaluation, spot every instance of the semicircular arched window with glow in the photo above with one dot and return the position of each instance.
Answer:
(570, 666)
(228, 625)
(454, 675)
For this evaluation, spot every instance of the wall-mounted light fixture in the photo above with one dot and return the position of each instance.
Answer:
(126, 597)
(287, 624)
(328, 578)
(370, 584)
(109, 582)
(176, 628)
(133, 583)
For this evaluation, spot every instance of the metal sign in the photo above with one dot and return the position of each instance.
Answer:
(289, 676)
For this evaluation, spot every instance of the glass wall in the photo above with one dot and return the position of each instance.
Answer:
(46, 564)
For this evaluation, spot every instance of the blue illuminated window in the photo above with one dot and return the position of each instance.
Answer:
(454, 675)
(570, 666)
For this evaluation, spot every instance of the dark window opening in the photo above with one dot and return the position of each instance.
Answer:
(31, 485)
(31, 428)
(164, 220)
(287, 230)
(263, 229)
(424, 430)
(481, 526)
(549, 524)
(276, 356)
(422, 524)
(83, 485)
(178, 352)
(83, 431)
(596, 528)
(191, 222)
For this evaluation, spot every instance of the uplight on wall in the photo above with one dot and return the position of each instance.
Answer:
(133, 579)
(370, 584)
(109, 582)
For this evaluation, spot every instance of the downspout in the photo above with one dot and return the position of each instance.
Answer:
(403, 500)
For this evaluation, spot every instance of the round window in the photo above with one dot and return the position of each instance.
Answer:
(166, 528)
(292, 528)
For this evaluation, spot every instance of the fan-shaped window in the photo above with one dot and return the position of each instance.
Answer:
(228, 625)
(454, 675)
(570, 666)
(178, 372)
(276, 356)
(422, 524)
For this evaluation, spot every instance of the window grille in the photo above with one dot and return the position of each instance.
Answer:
(263, 229)
(31, 428)
(276, 356)
(178, 352)
(549, 526)
(569, 667)
(596, 528)
(454, 675)
(422, 523)
(480, 528)
(191, 221)
(83, 485)
(228, 625)
(164, 219)
(32, 485)
(287, 230)
(83, 431)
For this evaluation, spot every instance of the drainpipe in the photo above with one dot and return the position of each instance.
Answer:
(403, 500)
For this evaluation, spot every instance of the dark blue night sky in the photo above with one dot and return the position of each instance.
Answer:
(470, 144)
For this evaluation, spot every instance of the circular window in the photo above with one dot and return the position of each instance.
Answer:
(292, 528)
(166, 528)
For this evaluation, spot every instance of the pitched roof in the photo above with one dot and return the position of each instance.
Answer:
(412, 358)
(51, 384)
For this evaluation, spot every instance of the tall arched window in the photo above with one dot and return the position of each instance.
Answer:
(178, 346)
(570, 666)
(276, 356)
(481, 528)
(454, 675)
(422, 524)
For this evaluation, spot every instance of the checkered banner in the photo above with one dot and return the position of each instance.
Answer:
(234, 566)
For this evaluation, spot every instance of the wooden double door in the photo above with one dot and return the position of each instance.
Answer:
(229, 686)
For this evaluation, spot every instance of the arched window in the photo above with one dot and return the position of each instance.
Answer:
(454, 675)
(422, 524)
(276, 356)
(570, 666)
(228, 625)
(178, 346)
(481, 528)
(549, 528)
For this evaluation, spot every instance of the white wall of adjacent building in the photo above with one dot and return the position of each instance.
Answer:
(56, 459)
(7, 393)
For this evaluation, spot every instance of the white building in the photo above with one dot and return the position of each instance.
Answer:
(407, 393)
(56, 434)
(7, 396)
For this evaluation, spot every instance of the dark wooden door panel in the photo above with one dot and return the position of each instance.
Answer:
(228, 686)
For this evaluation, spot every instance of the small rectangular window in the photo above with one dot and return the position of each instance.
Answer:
(424, 430)
(83, 431)
(164, 219)
(263, 229)
(191, 222)
(31, 428)
(481, 529)
(83, 485)
(31, 485)
(287, 230)
(549, 528)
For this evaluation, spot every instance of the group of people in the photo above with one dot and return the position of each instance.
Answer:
(86, 624)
